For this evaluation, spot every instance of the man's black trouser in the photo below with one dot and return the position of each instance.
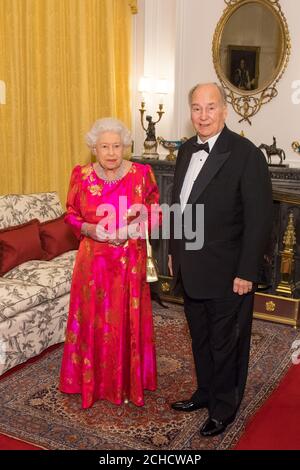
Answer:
(221, 333)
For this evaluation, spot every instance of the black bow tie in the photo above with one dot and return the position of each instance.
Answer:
(201, 147)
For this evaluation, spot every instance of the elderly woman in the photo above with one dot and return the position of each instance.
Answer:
(109, 351)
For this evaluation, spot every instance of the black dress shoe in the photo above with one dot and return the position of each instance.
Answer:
(213, 427)
(188, 405)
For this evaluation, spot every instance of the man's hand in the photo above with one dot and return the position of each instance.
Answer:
(170, 265)
(241, 286)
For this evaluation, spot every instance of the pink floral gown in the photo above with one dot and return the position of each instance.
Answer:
(109, 350)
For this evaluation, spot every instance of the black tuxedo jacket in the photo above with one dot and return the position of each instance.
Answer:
(235, 188)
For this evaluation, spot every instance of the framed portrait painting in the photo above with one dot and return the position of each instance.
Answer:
(243, 66)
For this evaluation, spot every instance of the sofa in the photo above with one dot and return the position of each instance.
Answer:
(37, 254)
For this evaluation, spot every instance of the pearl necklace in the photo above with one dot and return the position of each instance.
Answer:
(119, 174)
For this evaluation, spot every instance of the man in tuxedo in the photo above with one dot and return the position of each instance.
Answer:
(228, 175)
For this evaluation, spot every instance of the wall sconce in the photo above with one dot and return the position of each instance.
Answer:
(147, 86)
(2, 92)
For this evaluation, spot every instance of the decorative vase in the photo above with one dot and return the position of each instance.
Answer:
(172, 146)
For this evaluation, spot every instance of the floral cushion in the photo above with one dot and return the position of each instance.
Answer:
(17, 296)
(6, 212)
(56, 274)
(65, 258)
(20, 208)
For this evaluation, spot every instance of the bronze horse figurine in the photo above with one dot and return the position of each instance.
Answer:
(273, 150)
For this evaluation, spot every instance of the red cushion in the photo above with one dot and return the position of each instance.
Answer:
(19, 244)
(57, 237)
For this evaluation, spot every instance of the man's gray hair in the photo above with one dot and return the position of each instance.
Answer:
(108, 125)
(220, 88)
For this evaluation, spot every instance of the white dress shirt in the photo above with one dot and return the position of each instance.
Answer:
(197, 161)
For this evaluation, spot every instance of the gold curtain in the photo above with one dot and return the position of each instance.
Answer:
(65, 63)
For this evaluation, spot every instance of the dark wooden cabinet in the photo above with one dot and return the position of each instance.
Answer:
(269, 303)
(280, 301)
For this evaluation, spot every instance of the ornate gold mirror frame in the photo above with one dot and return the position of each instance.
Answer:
(247, 102)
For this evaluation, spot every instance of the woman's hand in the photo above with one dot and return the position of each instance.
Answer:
(124, 233)
(95, 231)
(100, 234)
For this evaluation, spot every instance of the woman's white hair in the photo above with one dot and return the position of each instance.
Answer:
(107, 125)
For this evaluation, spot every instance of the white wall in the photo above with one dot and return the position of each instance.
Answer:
(173, 39)
(153, 56)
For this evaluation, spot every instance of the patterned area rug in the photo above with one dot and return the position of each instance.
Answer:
(32, 408)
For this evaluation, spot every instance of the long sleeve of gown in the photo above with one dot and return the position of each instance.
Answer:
(152, 200)
(73, 216)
